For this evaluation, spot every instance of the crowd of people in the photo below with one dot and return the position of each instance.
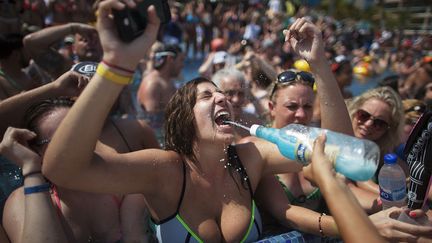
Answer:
(101, 143)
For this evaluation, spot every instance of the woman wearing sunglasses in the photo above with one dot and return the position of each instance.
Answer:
(291, 98)
(378, 115)
(298, 204)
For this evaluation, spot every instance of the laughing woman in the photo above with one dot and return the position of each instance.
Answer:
(200, 188)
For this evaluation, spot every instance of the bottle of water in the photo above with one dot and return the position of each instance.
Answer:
(355, 158)
(392, 183)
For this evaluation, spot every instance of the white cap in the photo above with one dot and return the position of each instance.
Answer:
(253, 129)
(220, 57)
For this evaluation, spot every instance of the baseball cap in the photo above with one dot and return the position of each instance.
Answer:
(220, 57)
(85, 68)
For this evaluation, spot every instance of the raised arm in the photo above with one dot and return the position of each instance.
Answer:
(12, 110)
(40, 46)
(29, 214)
(306, 40)
(69, 157)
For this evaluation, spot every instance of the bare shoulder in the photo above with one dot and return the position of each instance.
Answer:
(13, 214)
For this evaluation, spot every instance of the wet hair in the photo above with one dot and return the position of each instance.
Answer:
(9, 43)
(42, 109)
(180, 129)
(179, 119)
(391, 138)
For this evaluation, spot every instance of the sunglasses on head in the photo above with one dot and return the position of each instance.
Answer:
(377, 123)
(288, 77)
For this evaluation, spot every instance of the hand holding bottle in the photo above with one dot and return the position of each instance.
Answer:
(321, 168)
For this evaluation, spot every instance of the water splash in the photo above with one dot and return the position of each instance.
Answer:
(237, 124)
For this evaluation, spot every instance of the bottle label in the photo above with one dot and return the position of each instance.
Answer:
(301, 153)
(395, 195)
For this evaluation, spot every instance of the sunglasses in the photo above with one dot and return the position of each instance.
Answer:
(288, 77)
(377, 123)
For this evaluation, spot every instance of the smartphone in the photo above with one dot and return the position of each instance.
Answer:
(131, 22)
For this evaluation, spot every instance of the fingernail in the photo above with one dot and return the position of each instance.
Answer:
(412, 214)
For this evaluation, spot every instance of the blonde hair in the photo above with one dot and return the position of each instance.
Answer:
(392, 137)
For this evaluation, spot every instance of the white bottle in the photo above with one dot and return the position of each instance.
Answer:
(353, 157)
(392, 183)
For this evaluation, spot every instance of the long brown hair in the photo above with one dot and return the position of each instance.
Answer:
(179, 119)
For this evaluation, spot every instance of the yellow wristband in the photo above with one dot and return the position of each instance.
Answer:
(116, 78)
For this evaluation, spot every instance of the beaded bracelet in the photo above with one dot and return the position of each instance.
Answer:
(112, 76)
(319, 224)
(35, 189)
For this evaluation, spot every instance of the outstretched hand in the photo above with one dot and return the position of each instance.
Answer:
(14, 147)
(126, 55)
(306, 40)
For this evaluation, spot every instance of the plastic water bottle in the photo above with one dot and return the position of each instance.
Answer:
(392, 183)
(353, 157)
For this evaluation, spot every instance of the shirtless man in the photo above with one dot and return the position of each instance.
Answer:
(157, 87)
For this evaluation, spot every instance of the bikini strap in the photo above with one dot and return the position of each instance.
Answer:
(183, 188)
(121, 134)
(57, 200)
(180, 200)
(234, 160)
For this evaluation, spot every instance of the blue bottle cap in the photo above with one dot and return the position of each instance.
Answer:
(390, 158)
